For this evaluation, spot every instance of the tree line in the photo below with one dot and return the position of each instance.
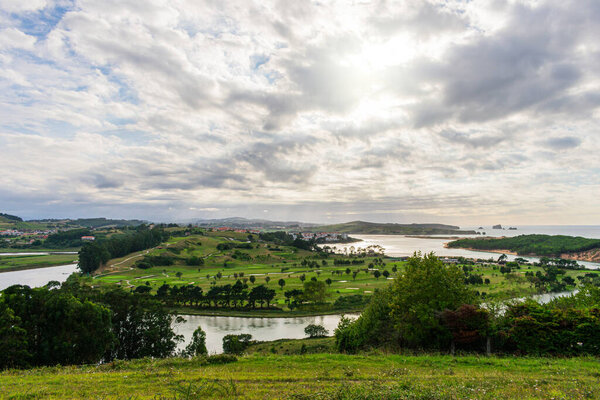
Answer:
(74, 324)
(542, 245)
(94, 254)
(237, 295)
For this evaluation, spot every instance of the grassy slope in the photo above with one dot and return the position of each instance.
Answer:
(267, 261)
(318, 376)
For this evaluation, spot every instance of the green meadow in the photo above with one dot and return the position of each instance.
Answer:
(314, 376)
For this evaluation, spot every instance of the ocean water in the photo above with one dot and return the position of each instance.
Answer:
(400, 245)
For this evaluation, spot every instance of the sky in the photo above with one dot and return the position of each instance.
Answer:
(463, 112)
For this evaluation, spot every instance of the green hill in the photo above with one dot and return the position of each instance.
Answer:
(373, 228)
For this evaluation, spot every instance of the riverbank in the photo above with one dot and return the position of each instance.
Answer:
(35, 261)
(317, 376)
(71, 250)
(258, 313)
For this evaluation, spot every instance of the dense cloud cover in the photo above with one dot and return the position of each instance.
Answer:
(464, 112)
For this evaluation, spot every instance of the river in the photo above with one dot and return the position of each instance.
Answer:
(263, 329)
(36, 277)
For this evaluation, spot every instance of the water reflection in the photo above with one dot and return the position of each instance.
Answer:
(263, 329)
(36, 277)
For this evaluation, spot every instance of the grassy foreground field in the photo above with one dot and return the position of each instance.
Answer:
(318, 376)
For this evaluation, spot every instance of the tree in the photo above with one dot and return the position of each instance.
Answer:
(92, 256)
(252, 279)
(140, 324)
(281, 283)
(293, 297)
(354, 275)
(315, 291)
(328, 281)
(469, 326)
(13, 340)
(267, 279)
(197, 346)
(60, 329)
(426, 288)
(178, 274)
(376, 274)
(303, 276)
(315, 331)
(385, 273)
(143, 289)
(236, 344)
(374, 327)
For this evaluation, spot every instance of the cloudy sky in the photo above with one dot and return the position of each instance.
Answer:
(466, 112)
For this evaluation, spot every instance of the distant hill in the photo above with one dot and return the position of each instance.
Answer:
(104, 222)
(237, 222)
(374, 228)
(9, 218)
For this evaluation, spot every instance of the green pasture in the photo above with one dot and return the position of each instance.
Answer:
(314, 376)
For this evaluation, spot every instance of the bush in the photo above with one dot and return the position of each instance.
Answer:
(221, 359)
(315, 331)
(236, 344)
(374, 327)
(197, 346)
(532, 328)
(351, 301)
(195, 261)
(143, 265)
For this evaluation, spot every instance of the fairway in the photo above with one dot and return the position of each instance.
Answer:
(259, 262)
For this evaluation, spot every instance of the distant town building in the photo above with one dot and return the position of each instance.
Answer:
(89, 238)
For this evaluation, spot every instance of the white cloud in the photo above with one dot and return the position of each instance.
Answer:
(18, 6)
(11, 38)
(421, 110)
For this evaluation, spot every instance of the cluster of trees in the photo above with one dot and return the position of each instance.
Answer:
(548, 280)
(70, 238)
(239, 295)
(92, 255)
(542, 245)
(73, 324)
(354, 261)
(218, 296)
(233, 245)
(284, 238)
(429, 306)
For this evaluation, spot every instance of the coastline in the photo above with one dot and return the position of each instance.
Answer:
(32, 266)
(565, 256)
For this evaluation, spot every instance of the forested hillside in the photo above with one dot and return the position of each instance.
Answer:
(541, 245)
